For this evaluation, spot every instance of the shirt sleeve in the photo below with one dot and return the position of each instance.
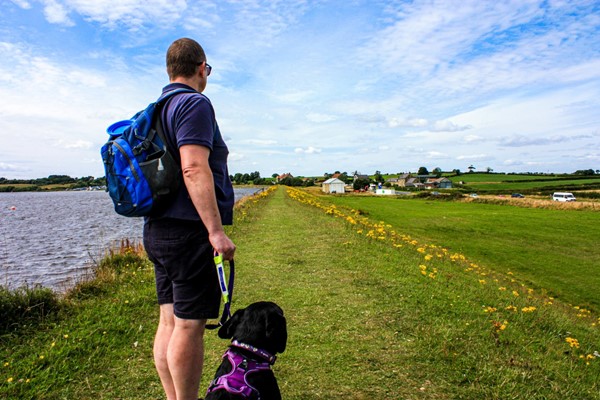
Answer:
(195, 122)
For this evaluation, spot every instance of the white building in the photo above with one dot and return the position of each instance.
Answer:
(386, 191)
(333, 185)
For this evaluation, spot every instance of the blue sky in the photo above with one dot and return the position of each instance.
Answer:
(312, 87)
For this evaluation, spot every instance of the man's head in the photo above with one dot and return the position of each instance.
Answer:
(184, 57)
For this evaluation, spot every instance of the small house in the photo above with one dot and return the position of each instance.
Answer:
(438, 183)
(333, 185)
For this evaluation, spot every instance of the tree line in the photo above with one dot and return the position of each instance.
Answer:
(63, 181)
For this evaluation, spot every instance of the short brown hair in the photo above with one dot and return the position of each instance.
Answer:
(183, 58)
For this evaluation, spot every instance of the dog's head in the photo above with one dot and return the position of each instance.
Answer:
(261, 325)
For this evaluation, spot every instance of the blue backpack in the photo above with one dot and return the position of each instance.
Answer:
(141, 173)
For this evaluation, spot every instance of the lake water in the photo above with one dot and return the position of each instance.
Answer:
(53, 238)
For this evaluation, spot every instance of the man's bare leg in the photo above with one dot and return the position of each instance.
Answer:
(164, 332)
(185, 357)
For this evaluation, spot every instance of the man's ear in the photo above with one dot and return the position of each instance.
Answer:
(229, 327)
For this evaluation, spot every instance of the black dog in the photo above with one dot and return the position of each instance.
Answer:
(258, 332)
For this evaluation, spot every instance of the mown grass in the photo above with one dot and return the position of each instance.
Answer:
(526, 183)
(370, 316)
(551, 249)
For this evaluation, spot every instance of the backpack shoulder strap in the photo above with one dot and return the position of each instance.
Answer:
(173, 92)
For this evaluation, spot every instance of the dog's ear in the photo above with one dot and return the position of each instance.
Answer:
(228, 329)
(276, 331)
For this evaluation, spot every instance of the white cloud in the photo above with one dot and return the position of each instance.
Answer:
(22, 3)
(294, 97)
(435, 155)
(448, 126)
(308, 150)
(75, 144)
(319, 117)
(7, 167)
(235, 156)
(261, 142)
(474, 157)
(56, 13)
(130, 14)
(407, 123)
(472, 138)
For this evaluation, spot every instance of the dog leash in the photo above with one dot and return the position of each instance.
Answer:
(226, 288)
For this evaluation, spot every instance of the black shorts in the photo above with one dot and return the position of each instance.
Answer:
(184, 267)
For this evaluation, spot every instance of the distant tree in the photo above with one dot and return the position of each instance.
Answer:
(471, 168)
(456, 171)
(344, 177)
(584, 172)
(292, 181)
(361, 183)
(378, 177)
(488, 170)
(437, 171)
(422, 171)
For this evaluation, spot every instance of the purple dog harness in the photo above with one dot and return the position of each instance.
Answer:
(236, 381)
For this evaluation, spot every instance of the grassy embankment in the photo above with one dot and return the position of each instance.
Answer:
(371, 315)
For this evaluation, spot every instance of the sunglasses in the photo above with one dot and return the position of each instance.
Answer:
(207, 67)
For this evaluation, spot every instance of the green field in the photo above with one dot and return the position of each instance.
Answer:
(521, 182)
(556, 250)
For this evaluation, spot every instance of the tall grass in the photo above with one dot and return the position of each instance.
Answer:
(25, 306)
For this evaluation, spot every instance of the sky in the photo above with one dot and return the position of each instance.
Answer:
(312, 87)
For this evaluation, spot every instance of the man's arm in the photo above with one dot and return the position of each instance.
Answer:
(199, 182)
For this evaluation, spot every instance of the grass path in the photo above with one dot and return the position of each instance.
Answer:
(363, 323)
(300, 259)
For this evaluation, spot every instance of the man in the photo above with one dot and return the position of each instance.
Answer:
(180, 241)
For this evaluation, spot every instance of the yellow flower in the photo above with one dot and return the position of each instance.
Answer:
(66, 336)
(6, 364)
(572, 342)
(515, 293)
(482, 281)
(528, 309)
(489, 309)
(511, 308)
(41, 357)
(9, 380)
(502, 288)
(428, 257)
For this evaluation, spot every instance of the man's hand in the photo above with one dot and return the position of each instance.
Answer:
(223, 245)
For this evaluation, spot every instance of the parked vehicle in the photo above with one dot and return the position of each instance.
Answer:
(563, 196)
(474, 195)
(517, 195)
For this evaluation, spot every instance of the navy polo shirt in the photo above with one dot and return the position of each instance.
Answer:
(189, 118)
